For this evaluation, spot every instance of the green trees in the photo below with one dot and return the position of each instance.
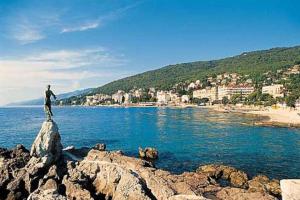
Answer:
(254, 64)
(257, 98)
(237, 98)
(225, 100)
(291, 100)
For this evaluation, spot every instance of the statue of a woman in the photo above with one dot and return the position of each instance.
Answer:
(47, 108)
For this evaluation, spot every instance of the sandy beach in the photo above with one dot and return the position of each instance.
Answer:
(284, 117)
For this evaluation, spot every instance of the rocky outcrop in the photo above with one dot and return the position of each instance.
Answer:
(47, 143)
(148, 153)
(262, 183)
(242, 194)
(236, 177)
(49, 173)
(239, 179)
(112, 175)
(100, 147)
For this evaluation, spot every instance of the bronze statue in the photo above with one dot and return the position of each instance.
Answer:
(47, 108)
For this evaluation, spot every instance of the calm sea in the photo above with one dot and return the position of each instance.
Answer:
(185, 138)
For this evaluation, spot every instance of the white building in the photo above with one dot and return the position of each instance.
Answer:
(175, 98)
(127, 98)
(185, 98)
(274, 90)
(229, 91)
(151, 92)
(96, 99)
(191, 86)
(118, 96)
(138, 93)
(208, 92)
(163, 97)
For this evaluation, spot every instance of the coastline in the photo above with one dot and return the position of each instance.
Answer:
(96, 173)
(270, 116)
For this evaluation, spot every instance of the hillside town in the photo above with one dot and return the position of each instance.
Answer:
(225, 88)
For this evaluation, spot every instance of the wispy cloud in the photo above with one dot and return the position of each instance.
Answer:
(66, 69)
(26, 33)
(63, 59)
(29, 28)
(99, 21)
(82, 27)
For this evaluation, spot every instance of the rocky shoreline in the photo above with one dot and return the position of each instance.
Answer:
(48, 172)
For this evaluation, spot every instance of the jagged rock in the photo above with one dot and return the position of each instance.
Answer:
(273, 187)
(47, 144)
(100, 147)
(49, 190)
(211, 170)
(262, 183)
(75, 190)
(131, 178)
(111, 175)
(71, 153)
(242, 194)
(239, 179)
(46, 195)
(11, 161)
(187, 197)
(236, 177)
(148, 153)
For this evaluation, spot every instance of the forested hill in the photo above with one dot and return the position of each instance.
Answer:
(253, 63)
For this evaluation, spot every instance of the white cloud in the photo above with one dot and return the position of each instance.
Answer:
(82, 27)
(26, 33)
(100, 21)
(66, 69)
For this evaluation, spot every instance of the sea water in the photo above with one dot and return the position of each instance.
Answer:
(185, 138)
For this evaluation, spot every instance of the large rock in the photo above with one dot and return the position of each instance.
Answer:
(111, 175)
(48, 191)
(11, 161)
(148, 153)
(262, 183)
(120, 177)
(237, 178)
(47, 144)
(242, 194)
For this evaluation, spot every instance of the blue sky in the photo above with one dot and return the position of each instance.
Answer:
(75, 44)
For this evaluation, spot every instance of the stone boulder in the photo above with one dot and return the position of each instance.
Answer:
(237, 178)
(242, 194)
(47, 144)
(148, 153)
(100, 147)
(112, 175)
(262, 183)
(48, 191)
(11, 161)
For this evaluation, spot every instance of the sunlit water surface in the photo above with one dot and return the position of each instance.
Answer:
(185, 138)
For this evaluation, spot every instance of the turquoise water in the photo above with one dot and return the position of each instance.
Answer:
(185, 138)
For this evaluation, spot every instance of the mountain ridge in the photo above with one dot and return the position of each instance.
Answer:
(165, 77)
(253, 63)
(40, 101)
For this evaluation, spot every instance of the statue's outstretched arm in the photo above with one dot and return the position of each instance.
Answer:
(53, 95)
